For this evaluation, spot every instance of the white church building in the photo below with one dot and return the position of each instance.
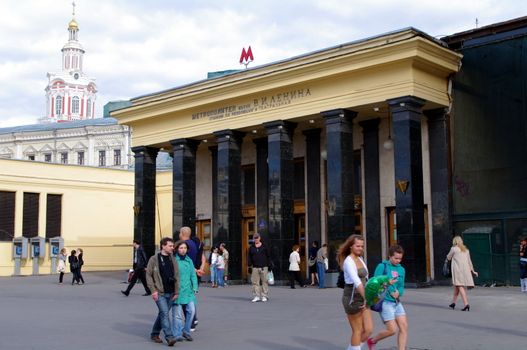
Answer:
(69, 133)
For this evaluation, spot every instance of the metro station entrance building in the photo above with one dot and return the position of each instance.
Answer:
(353, 138)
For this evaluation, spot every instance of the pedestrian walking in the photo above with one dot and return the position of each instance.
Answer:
(393, 313)
(462, 271)
(184, 306)
(259, 261)
(74, 267)
(312, 262)
(353, 297)
(322, 255)
(225, 254)
(523, 265)
(213, 266)
(220, 270)
(294, 268)
(162, 276)
(61, 267)
(139, 265)
(81, 262)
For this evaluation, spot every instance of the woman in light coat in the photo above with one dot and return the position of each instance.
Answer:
(462, 271)
(61, 268)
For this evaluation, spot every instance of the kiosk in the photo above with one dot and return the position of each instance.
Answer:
(55, 245)
(38, 251)
(19, 252)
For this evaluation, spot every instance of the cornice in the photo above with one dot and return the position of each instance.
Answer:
(408, 45)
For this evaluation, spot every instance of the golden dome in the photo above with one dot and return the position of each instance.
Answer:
(73, 24)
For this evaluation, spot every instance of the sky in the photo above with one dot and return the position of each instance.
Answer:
(138, 47)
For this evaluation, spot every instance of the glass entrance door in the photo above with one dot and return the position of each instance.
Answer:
(249, 228)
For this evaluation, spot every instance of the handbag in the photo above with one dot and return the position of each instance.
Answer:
(447, 268)
(326, 263)
(270, 278)
(377, 307)
(312, 262)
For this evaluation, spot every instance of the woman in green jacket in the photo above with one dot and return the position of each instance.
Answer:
(184, 306)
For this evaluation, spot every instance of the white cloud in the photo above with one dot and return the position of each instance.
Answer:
(138, 47)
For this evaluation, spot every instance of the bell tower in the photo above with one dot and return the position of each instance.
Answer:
(70, 94)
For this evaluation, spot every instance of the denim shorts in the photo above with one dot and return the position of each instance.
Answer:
(391, 310)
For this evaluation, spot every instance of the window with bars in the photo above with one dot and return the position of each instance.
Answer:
(102, 158)
(64, 157)
(116, 157)
(47, 157)
(54, 215)
(80, 158)
(30, 215)
(7, 215)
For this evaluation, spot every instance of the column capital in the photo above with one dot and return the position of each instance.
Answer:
(228, 134)
(278, 126)
(260, 141)
(338, 114)
(437, 114)
(312, 132)
(180, 143)
(370, 124)
(143, 151)
(406, 104)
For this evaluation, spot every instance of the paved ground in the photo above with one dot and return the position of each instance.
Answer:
(37, 313)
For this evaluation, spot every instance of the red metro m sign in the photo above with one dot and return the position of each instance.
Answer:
(246, 57)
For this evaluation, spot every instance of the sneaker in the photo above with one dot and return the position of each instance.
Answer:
(255, 299)
(193, 329)
(187, 337)
(264, 299)
(125, 293)
(371, 344)
(171, 341)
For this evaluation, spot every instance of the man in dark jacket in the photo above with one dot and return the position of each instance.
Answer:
(259, 262)
(139, 270)
(162, 276)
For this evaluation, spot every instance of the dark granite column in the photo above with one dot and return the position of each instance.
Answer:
(183, 185)
(441, 185)
(214, 159)
(372, 191)
(262, 187)
(281, 203)
(408, 161)
(228, 227)
(145, 197)
(340, 194)
(313, 185)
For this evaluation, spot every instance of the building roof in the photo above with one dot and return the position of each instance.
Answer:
(487, 34)
(416, 32)
(61, 125)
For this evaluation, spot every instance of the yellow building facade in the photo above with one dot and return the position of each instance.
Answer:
(96, 212)
(295, 150)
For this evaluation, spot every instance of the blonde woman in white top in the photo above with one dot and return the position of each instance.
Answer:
(353, 297)
(294, 268)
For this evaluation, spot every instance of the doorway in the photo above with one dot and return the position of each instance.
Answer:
(248, 228)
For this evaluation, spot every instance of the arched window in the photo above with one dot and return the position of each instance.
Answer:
(75, 105)
(88, 108)
(58, 105)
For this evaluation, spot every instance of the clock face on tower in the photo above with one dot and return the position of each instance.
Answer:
(76, 75)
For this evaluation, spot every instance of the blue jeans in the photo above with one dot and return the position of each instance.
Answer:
(321, 270)
(182, 316)
(164, 304)
(213, 278)
(219, 275)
